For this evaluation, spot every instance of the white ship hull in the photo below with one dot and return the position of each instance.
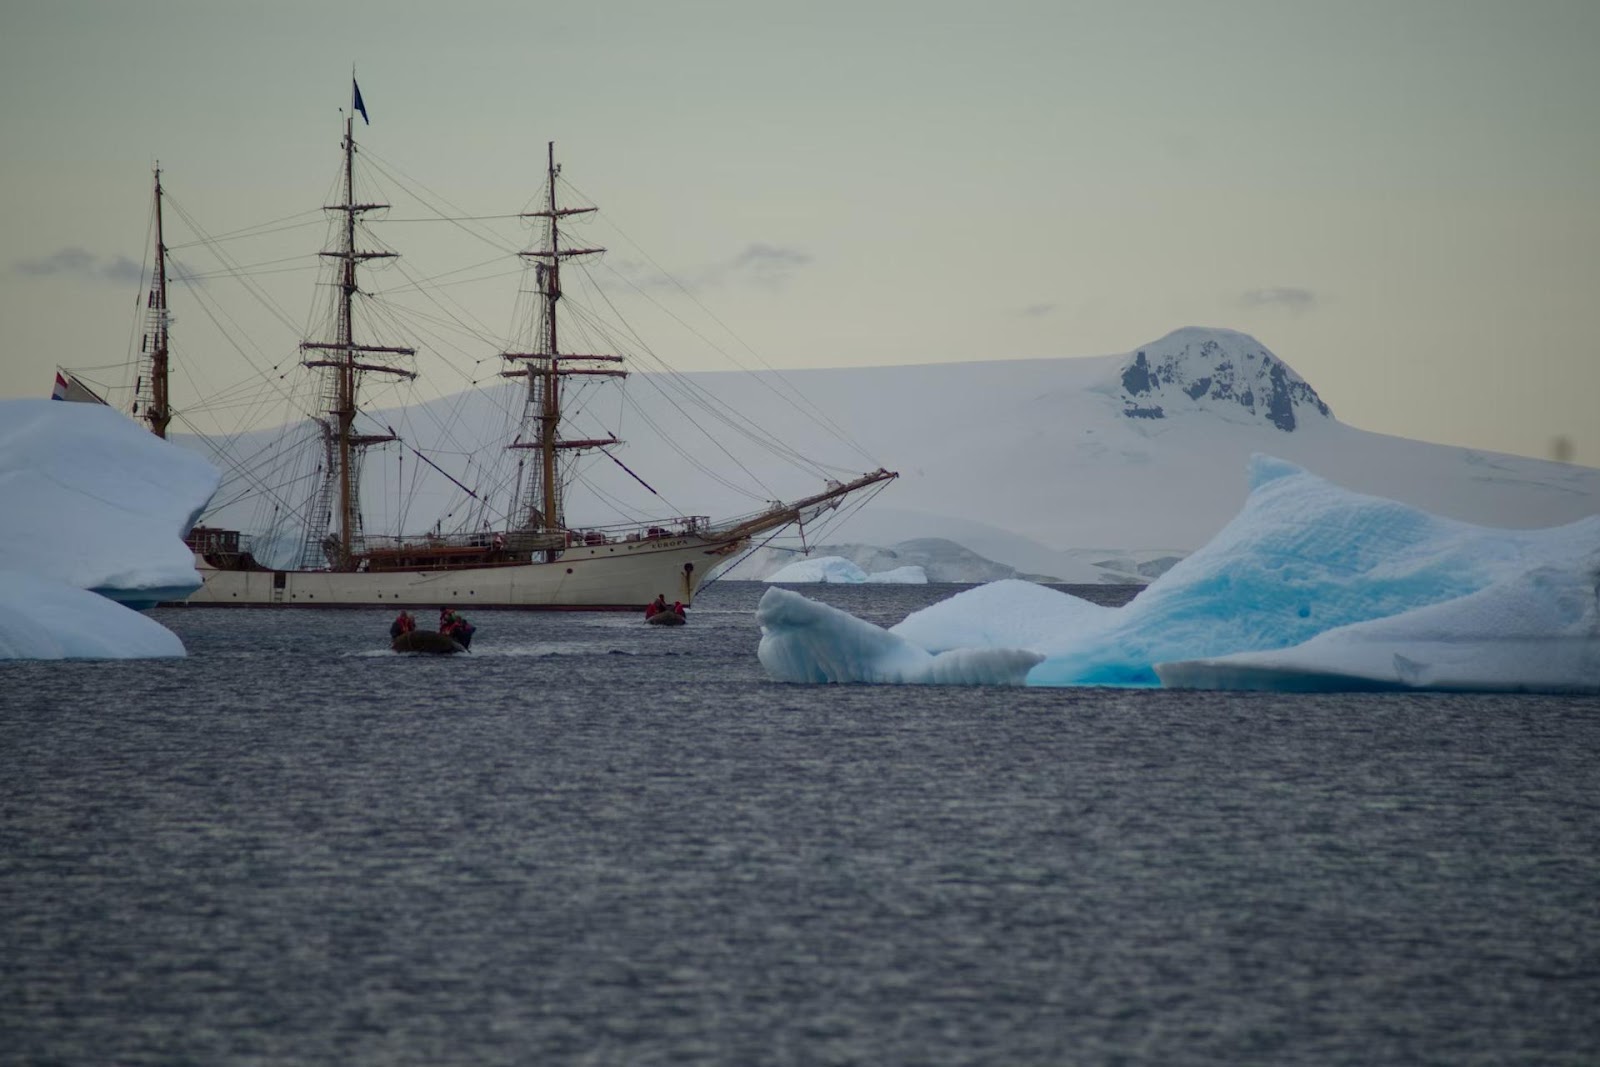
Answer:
(615, 576)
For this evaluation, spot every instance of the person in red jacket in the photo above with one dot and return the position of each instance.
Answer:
(656, 606)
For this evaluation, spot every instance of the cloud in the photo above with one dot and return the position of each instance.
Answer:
(761, 264)
(81, 264)
(1296, 301)
(764, 264)
(123, 269)
(1034, 311)
(66, 261)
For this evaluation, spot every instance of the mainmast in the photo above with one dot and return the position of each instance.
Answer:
(341, 383)
(546, 366)
(157, 410)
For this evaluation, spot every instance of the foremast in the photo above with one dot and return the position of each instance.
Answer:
(343, 361)
(545, 367)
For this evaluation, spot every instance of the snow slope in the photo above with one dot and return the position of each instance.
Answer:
(1050, 466)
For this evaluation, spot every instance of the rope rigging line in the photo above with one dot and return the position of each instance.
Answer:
(455, 218)
(258, 230)
(392, 171)
(252, 269)
(229, 462)
(797, 400)
(233, 267)
(203, 304)
(732, 418)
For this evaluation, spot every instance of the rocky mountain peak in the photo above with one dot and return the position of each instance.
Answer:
(1208, 369)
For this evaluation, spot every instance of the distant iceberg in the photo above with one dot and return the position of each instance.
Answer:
(1310, 587)
(92, 502)
(839, 571)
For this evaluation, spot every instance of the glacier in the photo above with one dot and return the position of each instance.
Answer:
(1310, 587)
(93, 524)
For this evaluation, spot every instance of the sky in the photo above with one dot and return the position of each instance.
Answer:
(1401, 200)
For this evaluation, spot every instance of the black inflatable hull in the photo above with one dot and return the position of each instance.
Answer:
(666, 618)
(428, 641)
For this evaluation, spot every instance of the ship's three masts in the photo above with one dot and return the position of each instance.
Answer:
(334, 538)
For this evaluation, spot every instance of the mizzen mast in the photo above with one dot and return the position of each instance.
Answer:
(343, 362)
(150, 389)
(546, 366)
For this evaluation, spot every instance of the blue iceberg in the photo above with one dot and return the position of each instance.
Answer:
(1310, 587)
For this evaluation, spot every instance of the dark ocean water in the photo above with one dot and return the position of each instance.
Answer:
(593, 841)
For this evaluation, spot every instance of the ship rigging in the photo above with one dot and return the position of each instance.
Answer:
(521, 553)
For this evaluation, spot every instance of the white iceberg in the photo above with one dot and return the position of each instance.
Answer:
(803, 641)
(1309, 587)
(93, 501)
(41, 618)
(1010, 613)
(94, 514)
(837, 570)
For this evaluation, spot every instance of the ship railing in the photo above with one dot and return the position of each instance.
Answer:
(518, 541)
(215, 541)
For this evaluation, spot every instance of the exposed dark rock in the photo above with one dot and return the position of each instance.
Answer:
(1136, 378)
(1196, 390)
(1133, 411)
(1280, 406)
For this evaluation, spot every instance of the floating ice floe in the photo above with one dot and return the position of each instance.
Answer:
(95, 510)
(839, 571)
(41, 618)
(1310, 587)
(803, 641)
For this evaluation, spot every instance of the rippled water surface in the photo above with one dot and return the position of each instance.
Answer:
(599, 842)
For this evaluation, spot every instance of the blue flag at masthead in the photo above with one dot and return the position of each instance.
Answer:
(359, 104)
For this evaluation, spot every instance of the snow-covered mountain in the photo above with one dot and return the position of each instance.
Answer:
(1039, 463)
(1051, 467)
(1217, 371)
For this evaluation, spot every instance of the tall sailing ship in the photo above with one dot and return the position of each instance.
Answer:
(536, 558)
